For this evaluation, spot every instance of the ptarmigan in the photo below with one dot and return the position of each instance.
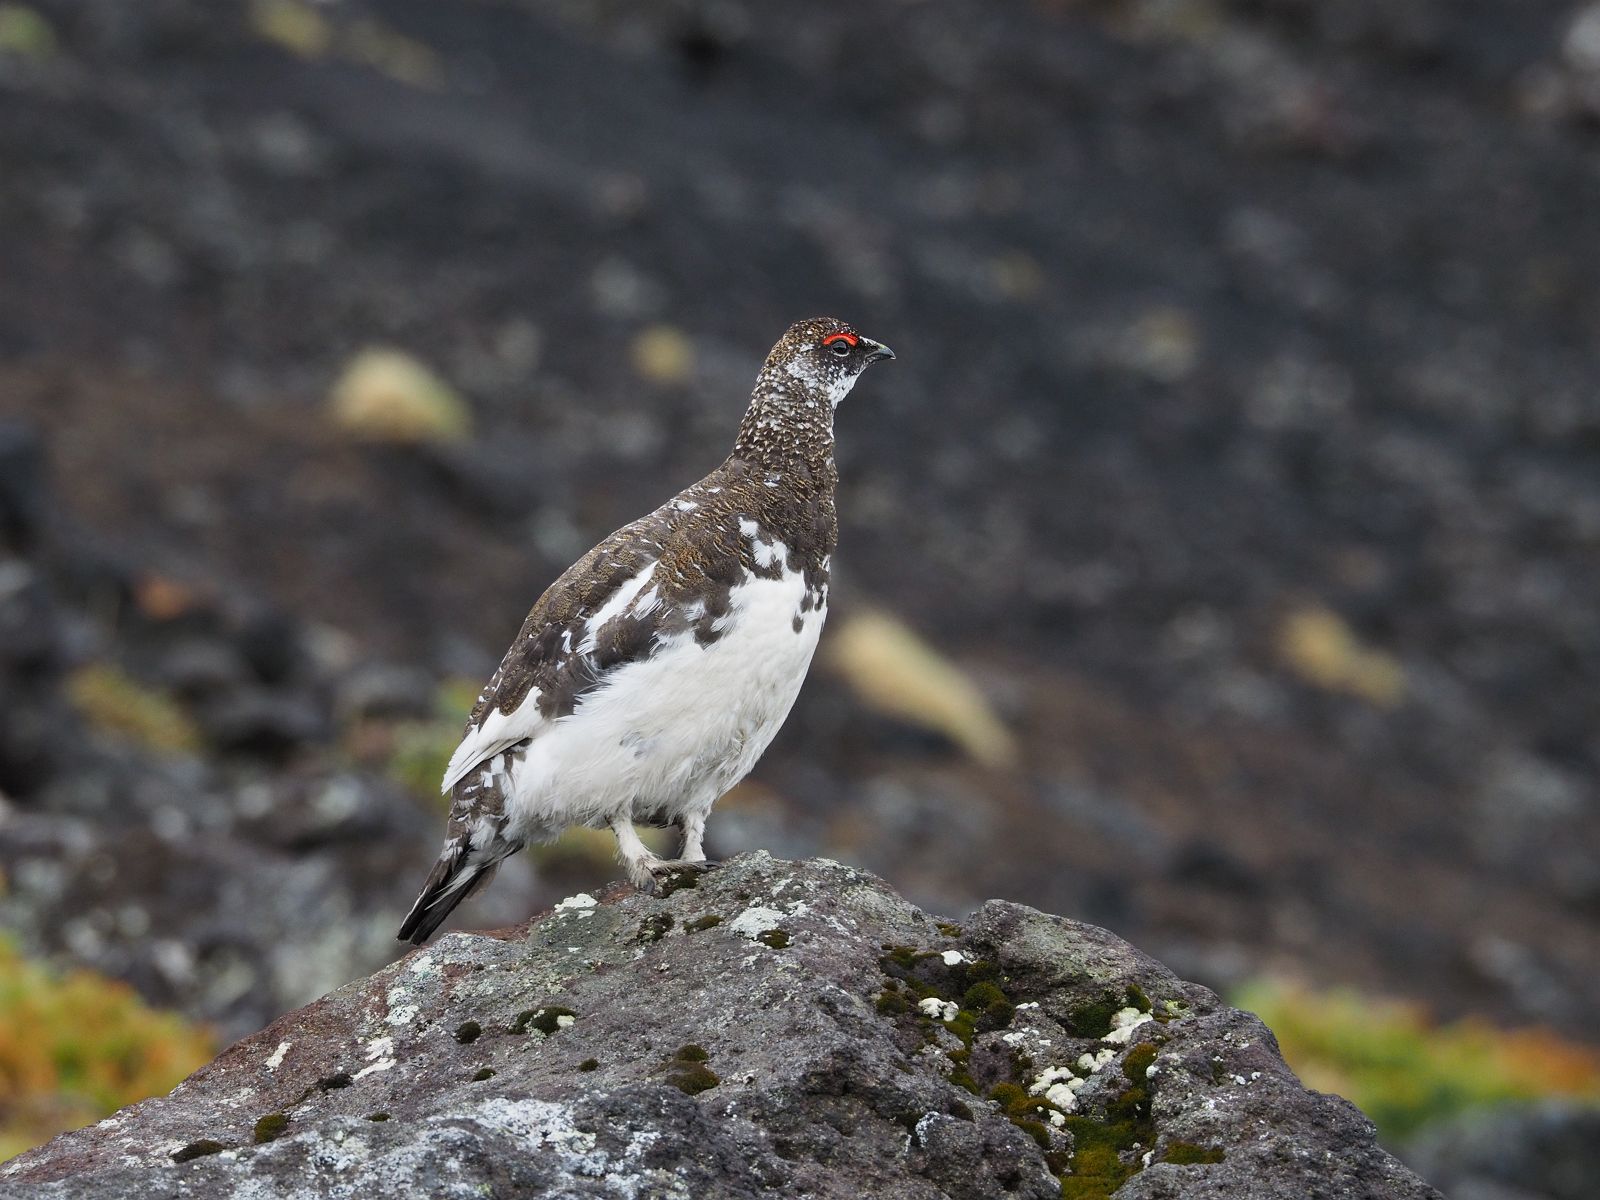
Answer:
(650, 677)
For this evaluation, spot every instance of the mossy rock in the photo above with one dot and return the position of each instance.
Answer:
(271, 1127)
(1138, 1061)
(1186, 1154)
(198, 1149)
(546, 1020)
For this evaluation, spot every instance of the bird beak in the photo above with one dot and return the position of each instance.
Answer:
(877, 350)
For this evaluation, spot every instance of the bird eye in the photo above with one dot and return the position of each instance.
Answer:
(840, 348)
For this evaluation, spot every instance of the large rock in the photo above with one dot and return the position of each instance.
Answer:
(778, 1029)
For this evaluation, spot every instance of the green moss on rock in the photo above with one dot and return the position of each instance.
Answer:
(693, 1078)
(1094, 1018)
(1137, 1064)
(991, 1004)
(199, 1149)
(468, 1032)
(546, 1020)
(654, 927)
(700, 923)
(1188, 1154)
(271, 1127)
(776, 938)
(892, 1002)
(682, 880)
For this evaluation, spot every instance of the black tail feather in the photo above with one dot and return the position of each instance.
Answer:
(458, 874)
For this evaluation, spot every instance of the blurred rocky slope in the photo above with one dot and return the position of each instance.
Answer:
(1243, 444)
(869, 1051)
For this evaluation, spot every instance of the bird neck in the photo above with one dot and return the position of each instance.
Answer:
(788, 427)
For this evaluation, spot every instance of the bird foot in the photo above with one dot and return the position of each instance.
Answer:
(666, 876)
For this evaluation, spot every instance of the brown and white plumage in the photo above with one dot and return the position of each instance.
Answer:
(649, 678)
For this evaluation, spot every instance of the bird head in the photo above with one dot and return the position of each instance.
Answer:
(828, 354)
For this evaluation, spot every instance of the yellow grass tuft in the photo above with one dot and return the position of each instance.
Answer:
(23, 31)
(389, 396)
(1321, 649)
(292, 25)
(896, 673)
(662, 355)
(120, 705)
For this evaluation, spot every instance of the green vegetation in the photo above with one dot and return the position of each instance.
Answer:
(1136, 1066)
(546, 1020)
(23, 31)
(705, 922)
(76, 1047)
(654, 927)
(116, 703)
(415, 753)
(1186, 1154)
(1403, 1070)
(776, 938)
(1106, 1148)
(271, 1127)
(687, 1070)
(198, 1149)
(1094, 1019)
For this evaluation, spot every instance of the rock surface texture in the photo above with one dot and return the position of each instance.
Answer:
(790, 1029)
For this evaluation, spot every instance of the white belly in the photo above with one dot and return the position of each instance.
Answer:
(673, 733)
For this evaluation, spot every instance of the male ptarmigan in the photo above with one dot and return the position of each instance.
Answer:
(649, 678)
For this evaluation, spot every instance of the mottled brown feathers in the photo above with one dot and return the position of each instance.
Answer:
(781, 477)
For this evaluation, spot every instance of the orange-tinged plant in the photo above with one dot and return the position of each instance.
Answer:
(1401, 1068)
(75, 1047)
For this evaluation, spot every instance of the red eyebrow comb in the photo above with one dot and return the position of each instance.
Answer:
(840, 337)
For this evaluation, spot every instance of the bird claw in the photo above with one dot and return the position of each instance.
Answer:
(668, 876)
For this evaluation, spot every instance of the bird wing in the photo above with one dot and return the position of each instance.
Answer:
(606, 610)
(596, 616)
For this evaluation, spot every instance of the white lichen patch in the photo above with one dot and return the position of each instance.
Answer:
(546, 1128)
(402, 1014)
(1094, 1062)
(563, 1021)
(1123, 1023)
(275, 1059)
(756, 920)
(1059, 1086)
(939, 1010)
(423, 965)
(380, 1057)
(953, 958)
(581, 903)
(925, 1127)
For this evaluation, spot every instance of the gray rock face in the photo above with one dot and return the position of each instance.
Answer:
(792, 1029)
